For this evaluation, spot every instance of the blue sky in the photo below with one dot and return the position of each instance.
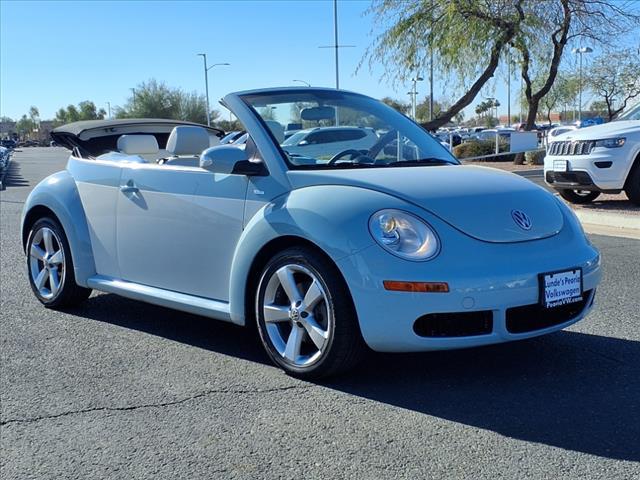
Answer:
(56, 53)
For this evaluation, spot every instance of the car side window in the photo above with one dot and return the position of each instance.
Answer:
(347, 135)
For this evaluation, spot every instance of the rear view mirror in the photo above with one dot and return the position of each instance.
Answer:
(318, 113)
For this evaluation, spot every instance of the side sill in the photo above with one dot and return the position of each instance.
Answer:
(165, 298)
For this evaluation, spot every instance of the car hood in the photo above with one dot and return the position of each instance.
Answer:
(478, 201)
(606, 130)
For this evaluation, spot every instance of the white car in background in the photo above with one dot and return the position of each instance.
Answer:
(319, 141)
(583, 163)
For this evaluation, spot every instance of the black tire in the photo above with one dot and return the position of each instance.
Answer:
(69, 293)
(344, 345)
(579, 197)
(632, 185)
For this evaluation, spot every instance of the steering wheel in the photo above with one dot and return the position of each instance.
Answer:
(350, 151)
(382, 142)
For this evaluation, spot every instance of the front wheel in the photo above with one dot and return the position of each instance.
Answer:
(50, 267)
(579, 197)
(306, 319)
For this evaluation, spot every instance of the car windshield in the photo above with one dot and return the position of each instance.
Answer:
(344, 130)
(631, 114)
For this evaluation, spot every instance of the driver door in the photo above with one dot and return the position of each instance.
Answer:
(177, 228)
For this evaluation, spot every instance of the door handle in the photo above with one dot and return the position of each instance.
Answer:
(129, 187)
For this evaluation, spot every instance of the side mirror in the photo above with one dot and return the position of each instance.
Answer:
(230, 159)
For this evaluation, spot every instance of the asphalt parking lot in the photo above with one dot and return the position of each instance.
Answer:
(121, 389)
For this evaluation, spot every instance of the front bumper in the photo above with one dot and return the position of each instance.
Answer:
(604, 169)
(482, 277)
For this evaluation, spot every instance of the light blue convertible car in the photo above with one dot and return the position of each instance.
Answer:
(396, 246)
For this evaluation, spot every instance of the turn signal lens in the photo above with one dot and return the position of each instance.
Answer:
(420, 287)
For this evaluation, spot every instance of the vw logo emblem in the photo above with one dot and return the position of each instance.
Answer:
(521, 219)
(294, 314)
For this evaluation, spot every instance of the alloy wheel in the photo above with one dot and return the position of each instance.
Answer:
(296, 314)
(46, 263)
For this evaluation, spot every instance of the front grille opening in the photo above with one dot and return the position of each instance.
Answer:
(529, 318)
(456, 324)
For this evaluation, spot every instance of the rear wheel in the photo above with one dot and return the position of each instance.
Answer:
(632, 185)
(579, 196)
(306, 319)
(50, 266)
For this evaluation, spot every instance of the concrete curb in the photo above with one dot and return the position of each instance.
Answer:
(608, 219)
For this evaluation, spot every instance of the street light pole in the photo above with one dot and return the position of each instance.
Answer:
(206, 83)
(336, 46)
(580, 51)
(509, 91)
(414, 95)
(109, 109)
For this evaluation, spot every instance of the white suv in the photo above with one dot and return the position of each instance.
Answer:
(603, 158)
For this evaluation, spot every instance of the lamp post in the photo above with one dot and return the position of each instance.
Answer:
(109, 109)
(206, 82)
(414, 95)
(336, 46)
(302, 81)
(580, 51)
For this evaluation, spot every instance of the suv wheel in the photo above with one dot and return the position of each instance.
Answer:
(305, 315)
(50, 267)
(579, 197)
(632, 185)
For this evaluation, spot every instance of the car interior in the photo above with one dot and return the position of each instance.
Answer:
(183, 147)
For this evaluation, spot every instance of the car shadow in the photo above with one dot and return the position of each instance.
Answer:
(568, 390)
(13, 177)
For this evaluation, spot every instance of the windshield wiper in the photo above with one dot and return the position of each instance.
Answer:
(420, 162)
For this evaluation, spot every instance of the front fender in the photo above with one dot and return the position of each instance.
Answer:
(333, 217)
(58, 193)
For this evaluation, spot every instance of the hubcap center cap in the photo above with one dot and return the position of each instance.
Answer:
(294, 314)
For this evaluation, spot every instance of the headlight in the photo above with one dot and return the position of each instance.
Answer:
(404, 235)
(611, 142)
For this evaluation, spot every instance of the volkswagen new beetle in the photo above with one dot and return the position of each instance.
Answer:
(396, 247)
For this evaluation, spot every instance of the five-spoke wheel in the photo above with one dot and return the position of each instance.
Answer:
(50, 267)
(306, 319)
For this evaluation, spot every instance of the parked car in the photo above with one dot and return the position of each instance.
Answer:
(585, 162)
(231, 137)
(450, 138)
(292, 128)
(559, 130)
(8, 143)
(397, 249)
(329, 141)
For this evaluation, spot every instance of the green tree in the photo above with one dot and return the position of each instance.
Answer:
(153, 99)
(562, 93)
(422, 109)
(34, 114)
(467, 38)
(397, 104)
(614, 77)
(25, 126)
(550, 27)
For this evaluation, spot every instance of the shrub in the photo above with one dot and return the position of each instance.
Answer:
(476, 148)
(535, 157)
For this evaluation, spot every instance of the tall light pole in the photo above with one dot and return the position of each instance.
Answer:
(206, 82)
(509, 90)
(414, 95)
(580, 51)
(109, 109)
(336, 46)
(302, 81)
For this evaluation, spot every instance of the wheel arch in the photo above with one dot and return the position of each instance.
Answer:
(634, 165)
(267, 252)
(57, 197)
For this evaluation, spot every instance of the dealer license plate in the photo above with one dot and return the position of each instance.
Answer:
(560, 165)
(560, 288)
